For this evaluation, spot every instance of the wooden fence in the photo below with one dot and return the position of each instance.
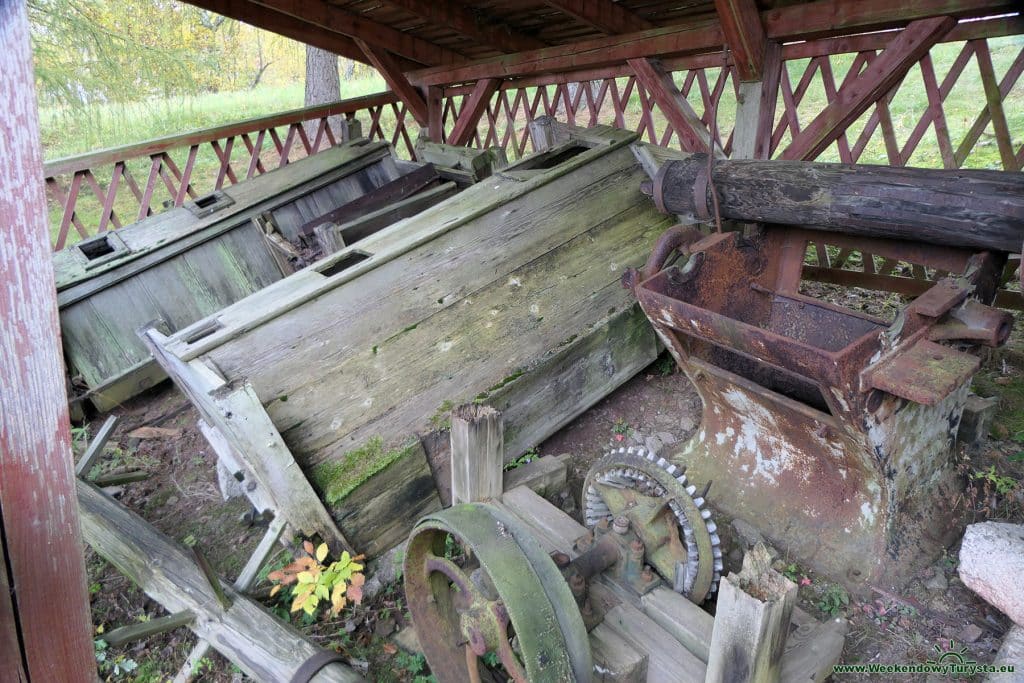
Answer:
(957, 107)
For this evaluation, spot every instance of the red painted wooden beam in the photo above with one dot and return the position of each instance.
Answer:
(51, 639)
(604, 15)
(456, 16)
(744, 35)
(334, 19)
(692, 132)
(396, 80)
(462, 134)
(811, 20)
(858, 94)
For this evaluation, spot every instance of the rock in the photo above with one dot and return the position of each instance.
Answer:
(667, 438)
(407, 640)
(974, 422)
(687, 424)
(992, 564)
(938, 583)
(386, 570)
(747, 534)
(969, 633)
(1010, 654)
(653, 444)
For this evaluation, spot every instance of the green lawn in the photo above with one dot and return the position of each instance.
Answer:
(69, 132)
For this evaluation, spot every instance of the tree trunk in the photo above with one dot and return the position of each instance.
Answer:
(322, 86)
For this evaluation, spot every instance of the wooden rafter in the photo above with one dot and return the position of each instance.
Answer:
(470, 23)
(858, 94)
(331, 18)
(604, 15)
(817, 19)
(465, 126)
(385, 63)
(744, 35)
(692, 132)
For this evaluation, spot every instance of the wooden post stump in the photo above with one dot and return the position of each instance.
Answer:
(478, 452)
(751, 623)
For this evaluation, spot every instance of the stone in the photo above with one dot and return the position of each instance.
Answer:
(992, 564)
(688, 424)
(969, 633)
(937, 583)
(1010, 654)
(386, 570)
(746, 533)
(974, 423)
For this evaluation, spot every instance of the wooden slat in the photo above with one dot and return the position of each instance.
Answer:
(383, 61)
(854, 99)
(744, 35)
(604, 15)
(692, 132)
(482, 29)
(470, 115)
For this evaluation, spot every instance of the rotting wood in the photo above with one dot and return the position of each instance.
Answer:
(260, 645)
(361, 228)
(96, 446)
(752, 620)
(477, 453)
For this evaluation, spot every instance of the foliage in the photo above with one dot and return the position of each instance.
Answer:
(834, 600)
(621, 428)
(312, 581)
(116, 666)
(416, 665)
(1002, 484)
(666, 364)
(526, 458)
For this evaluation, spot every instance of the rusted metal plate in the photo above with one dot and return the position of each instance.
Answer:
(926, 373)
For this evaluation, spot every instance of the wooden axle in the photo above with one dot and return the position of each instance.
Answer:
(969, 209)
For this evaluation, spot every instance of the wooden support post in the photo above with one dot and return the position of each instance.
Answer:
(435, 113)
(478, 452)
(854, 98)
(692, 132)
(385, 63)
(755, 113)
(465, 126)
(261, 646)
(96, 446)
(45, 629)
(744, 34)
(751, 622)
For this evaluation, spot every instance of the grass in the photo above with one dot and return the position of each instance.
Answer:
(69, 132)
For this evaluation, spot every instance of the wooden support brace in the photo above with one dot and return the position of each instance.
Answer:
(755, 113)
(435, 113)
(854, 98)
(692, 132)
(389, 68)
(465, 126)
(744, 34)
(478, 452)
(751, 622)
(96, 446)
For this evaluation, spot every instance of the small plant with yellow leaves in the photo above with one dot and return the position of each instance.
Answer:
(312, 581)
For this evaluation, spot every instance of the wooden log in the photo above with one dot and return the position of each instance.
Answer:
(478, 453)
(260, 645)
(970, 209)
(752, 620)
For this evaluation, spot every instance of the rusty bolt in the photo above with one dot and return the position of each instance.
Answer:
(620, 525)
(601, 527)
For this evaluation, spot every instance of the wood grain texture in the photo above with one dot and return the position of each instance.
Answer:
(477, 452)
(39, 527)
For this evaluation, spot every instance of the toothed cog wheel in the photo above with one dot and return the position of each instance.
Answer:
(665, 510)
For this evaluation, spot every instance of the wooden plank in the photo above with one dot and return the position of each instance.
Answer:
(96, 446)
(334, 19)
(238, 415)
(693, 134)
(755, 113)
(45, 629)
(546, 475)
(469, 117)
(132, 632)
(744, 35)
(361, 228)
(854, 98)
(260, 645)
(477, 453)
(751, 622)
(615, 658)
(783, 24)
(687, 622)
(385, 63)
(472, 23)
(604, 15)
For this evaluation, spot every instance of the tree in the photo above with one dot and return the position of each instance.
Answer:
(322, 86)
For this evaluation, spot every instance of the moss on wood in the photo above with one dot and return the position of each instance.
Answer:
(336, 479)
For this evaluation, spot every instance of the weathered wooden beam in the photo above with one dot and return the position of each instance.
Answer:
(471, 24)
(45, 629)
(385, 63)
(755, 113)
(478, 453)
(263, 647)
(966, 209)
(435, 113)
(96, 446)
(854, 98)
(692, 132)
(145, 629)
(546, 475)
(803, 21)
(604, 15)
(744, 34)
(334, 19)
(287, 26)
(752, 620)
(468, 119)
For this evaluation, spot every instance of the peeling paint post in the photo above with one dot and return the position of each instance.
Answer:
(45, 630)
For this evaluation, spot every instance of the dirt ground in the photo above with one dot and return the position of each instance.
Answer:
(658, 408)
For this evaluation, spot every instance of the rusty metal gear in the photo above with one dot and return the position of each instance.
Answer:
(665, 510)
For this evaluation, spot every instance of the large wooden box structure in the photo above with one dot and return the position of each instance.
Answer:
(507, 294)
(186, 263)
